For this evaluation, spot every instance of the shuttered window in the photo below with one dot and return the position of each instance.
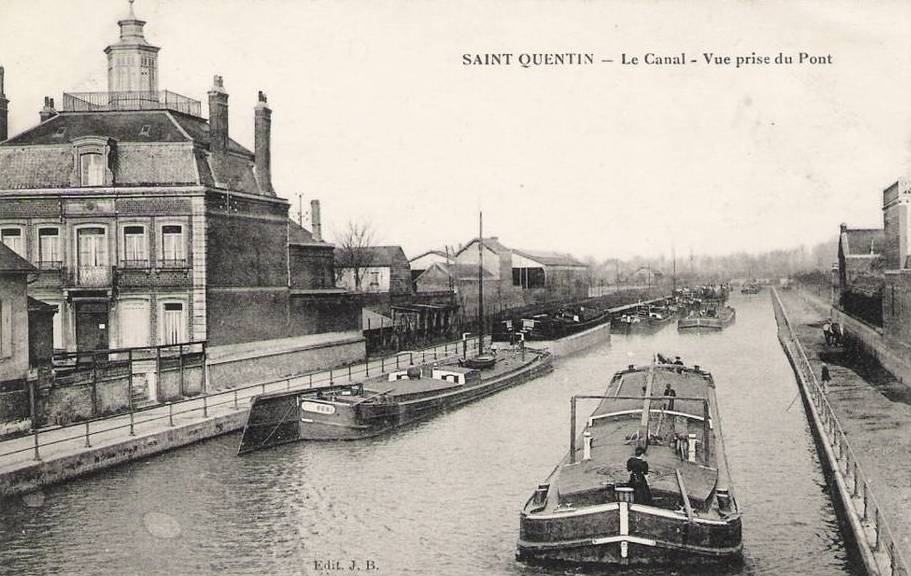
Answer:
(134, 246)
(14, 240)
(173, 323)
(172, 245)
(92, 169)
(49, 254)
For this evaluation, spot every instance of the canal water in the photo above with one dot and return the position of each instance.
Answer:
(439, 498)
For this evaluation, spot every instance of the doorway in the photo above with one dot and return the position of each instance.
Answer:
(92, 326)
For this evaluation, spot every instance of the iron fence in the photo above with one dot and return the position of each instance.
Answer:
(209, 400)
(878, 533)
(130, 100)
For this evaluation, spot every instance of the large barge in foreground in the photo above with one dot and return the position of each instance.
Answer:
(379, 405)
(677, 508)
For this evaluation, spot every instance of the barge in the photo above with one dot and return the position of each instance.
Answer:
(672, 504)
(711, 319)
(382, 404)
(564, 322)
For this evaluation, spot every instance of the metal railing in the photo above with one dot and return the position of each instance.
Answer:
(137, 100)
(879, 535)
(230, 398)
(92, 276)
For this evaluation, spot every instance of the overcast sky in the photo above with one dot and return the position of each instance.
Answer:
(375, 114)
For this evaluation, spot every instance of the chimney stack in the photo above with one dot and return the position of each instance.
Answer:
(48, 111)
(4, 127)
(315, 222)
(218, 118)
(262, 147)
(843, 228)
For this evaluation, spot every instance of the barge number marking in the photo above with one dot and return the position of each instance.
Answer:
(318, 408)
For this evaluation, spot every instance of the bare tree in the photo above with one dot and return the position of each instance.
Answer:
(352, 251)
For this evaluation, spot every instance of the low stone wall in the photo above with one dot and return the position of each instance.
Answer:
(871, 342)
(14, 406)
(245, 364)
(576, 342)
(170, 385)
(63, 404)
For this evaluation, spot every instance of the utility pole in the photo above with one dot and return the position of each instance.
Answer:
(674, 258)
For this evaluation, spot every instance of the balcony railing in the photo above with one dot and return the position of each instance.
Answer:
(92, 276)
(106, 101)
(172, 263)
(138, 264)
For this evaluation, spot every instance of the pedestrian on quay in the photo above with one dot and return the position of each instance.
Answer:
(826, 378)
(827, 331)
(837, 333)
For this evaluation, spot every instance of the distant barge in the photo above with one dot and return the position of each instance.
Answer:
(591, 510)
(713, 319)
(565, 322)
(380, 405)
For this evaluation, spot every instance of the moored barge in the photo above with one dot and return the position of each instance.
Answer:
(673, 504)
(711, 319)
(564, 322)
(380, 405)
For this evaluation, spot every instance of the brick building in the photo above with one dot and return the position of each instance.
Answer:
(873, 281)
(150, 225)
(860, 272)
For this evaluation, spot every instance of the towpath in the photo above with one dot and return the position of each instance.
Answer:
(873, 408)
(81, 447)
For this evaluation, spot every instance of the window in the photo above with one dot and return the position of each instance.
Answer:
(134, 247)
(145, 130)
(93, 248)
(527, 278)
(13, 239)
(60, 132)
(172, 323)
(92, 169)
(49, 255)
(172, 246)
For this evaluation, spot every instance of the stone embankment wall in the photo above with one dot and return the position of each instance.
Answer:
(870, 340)
(576, 342)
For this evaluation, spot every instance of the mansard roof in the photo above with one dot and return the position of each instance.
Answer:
(152, 148)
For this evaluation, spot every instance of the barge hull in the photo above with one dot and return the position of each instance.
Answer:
(417, 411)
(627, 534)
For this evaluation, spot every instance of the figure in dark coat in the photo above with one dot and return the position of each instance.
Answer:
(670, 394)
(638, 468)
(826, 378)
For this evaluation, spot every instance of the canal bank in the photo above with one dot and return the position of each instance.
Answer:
(863, 428)
(57, 454)
(441, 497)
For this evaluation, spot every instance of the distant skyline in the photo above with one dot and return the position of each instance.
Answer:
(375, 114)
